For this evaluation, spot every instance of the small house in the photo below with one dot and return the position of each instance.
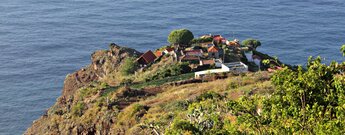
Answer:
(207, 62)
(234, 43)
(168, 50)
(213, 52)
(257, 60)
(249, 56)
(218, 39)
(196, 52)
(189, 58)
(146, 58)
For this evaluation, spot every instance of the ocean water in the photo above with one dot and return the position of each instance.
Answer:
(41, 41)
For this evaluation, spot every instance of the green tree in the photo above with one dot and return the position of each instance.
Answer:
(251, 43)
(129, 66)
(180, 36)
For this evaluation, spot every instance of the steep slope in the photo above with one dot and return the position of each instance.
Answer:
(94, 102)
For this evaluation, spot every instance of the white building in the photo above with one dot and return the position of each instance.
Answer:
(237, 67)
(249, 56)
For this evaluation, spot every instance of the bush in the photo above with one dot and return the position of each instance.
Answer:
(201, 40)
(77, 109)
(208, 95)
(182, 127)
(172, 70)
(129, 66)
(251, 43)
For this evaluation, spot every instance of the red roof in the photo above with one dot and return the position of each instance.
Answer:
(169, 49)
(213, 49)
(147, 57)
(193, 52)
(218, 38)
(187, 58)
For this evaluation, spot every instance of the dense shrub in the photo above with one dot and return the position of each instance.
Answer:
(172, 70)
(129, 66)
(251, 43)
(77, 109)
(201, 40)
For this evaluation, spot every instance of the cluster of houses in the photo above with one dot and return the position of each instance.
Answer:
(201, 54)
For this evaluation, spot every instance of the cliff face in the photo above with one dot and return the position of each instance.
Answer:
(104, 62)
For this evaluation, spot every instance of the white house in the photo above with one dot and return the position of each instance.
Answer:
(238, 67)
(249, 56)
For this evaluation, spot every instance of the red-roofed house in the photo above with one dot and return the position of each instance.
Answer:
(190, 59)
(213, 52)
(196, 52)
(219, 39)
(146, 58)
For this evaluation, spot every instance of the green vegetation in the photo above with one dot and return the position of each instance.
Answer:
(302, 100)
(171, 70)
(201, 40)
(77, 110)
(129, 66)
(180, 36)
(160, 82)
(251, 43)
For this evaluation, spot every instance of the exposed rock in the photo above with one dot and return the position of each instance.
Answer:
(103, 62)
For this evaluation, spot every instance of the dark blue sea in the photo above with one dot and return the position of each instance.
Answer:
(41, 41)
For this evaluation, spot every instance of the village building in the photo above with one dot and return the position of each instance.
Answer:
(218, 39)
(196, 52)
(234, 43)
(257, 60)
(207, 62)
(190, 58)
(169, 50)
(237, 67)
(213, 52)
(249, 56)
(146, 58)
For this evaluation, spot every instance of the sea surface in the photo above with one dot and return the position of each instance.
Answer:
(41, 41)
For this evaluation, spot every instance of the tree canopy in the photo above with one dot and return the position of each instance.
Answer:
(251, 42)
(180, 36)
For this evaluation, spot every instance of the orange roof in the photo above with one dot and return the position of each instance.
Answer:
(213, 49)
(159, 53)
(234, 43)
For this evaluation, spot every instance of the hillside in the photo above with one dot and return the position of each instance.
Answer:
(89, 105)
(117, 94)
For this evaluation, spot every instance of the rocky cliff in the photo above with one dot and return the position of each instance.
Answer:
(103, 63)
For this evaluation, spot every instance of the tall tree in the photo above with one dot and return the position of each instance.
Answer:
(251, 43)
(180, 37)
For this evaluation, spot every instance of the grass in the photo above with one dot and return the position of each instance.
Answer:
(162, 81)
